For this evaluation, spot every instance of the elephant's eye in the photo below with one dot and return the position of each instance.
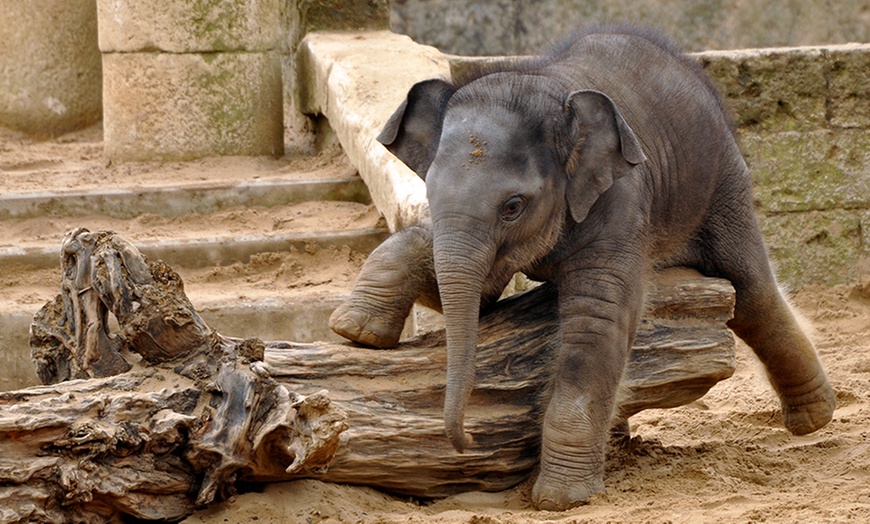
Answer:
(513, 208)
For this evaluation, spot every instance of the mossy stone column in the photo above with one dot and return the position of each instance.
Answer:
(185, 79)
(49, 65)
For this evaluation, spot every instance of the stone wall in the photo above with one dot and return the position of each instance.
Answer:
(186, 78)
(804, 125)
(504, 27)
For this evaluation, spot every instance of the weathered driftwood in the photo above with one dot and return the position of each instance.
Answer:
(394, 398)
(171, 414)
(189, 413)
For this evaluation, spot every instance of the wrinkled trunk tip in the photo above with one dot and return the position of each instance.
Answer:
(457, 437)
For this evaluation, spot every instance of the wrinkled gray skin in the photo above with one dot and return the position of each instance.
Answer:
(586, 168)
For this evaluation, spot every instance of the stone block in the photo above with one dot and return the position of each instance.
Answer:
(775, 89)
(183, 106)
(50, 78)
(188, 26)
(811, 170)
(864, 256)
(825, 247)
(849, 86)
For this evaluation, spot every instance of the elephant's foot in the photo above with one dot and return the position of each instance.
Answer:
(808, 411)
(367, 326)
(558, 492)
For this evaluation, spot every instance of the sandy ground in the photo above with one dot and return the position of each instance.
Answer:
(725, 458)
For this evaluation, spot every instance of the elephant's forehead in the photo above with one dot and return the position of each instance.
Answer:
(475, 137)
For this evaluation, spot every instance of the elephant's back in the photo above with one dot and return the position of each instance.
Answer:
(625, 60)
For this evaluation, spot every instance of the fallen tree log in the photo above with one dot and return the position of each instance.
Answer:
(166, 415)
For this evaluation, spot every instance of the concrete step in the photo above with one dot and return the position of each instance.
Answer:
(213, 251)
(128, 202)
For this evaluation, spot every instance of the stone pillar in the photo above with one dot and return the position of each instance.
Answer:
(50, 79)
(185, 79)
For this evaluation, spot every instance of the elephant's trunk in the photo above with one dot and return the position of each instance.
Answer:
(462, 262)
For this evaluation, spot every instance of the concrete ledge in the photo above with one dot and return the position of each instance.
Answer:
(356, 80)
(184, 106)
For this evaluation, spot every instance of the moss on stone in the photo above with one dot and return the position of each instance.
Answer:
(818, 246)
(813, 170)
(777, 90)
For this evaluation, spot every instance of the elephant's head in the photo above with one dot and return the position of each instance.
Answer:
(508, 160)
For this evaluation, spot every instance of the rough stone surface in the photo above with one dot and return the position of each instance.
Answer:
(50, 84)
(357, 80)
(182, 106)
(804, 126)
(502, 27)
(305, 16)
(818, 170)
(188, 26)
(817, 246)
(794, 88)
(300, 17)
(849, 86)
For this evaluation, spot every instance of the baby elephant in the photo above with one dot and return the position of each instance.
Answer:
(585, 167)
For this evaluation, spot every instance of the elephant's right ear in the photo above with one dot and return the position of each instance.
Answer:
(413, 132)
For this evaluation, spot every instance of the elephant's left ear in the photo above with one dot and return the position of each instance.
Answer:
(603, 149)
(413, 131)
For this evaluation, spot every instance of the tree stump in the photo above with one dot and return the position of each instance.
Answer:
(165, 415)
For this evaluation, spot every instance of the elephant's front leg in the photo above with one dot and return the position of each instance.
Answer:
(396, 274)
(599, 308)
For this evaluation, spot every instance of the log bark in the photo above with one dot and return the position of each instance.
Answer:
(165, 415)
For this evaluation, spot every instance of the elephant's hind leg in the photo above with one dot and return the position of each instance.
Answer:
(396, 274)
(731, 247)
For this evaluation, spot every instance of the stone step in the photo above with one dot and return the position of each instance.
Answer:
(266, 248)
(127, 202)
(214, 251)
